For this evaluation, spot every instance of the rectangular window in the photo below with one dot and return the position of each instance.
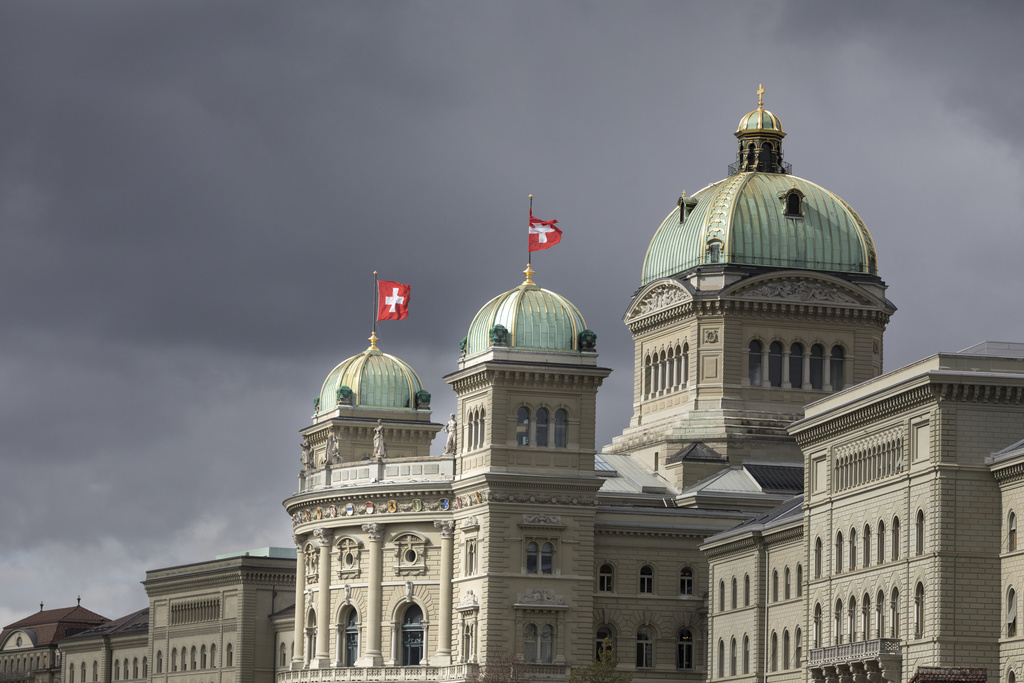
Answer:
(470, 557)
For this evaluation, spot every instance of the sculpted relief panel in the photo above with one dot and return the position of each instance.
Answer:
(659, 299)
(799, 290)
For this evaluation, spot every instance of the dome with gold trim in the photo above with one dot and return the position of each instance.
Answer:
(760, 120)
(529, 317)
(373, 379)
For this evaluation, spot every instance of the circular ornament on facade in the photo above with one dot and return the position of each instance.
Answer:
(533, 499)
(575, 501)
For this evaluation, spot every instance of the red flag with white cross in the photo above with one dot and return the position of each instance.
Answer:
(543, 234)
(392, 300)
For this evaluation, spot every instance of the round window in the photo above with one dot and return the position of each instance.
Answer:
(410, 556)
(19, 641)
(349, 560)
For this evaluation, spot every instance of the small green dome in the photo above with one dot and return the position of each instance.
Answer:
(375, 379)
(749, 219)
(530, 318)
(760, 120)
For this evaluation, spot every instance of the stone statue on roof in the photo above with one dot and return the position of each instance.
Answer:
(452, 443)
(380, 449)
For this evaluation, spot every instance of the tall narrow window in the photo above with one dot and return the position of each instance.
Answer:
(523, 427)
(647, 375)
(542, 427)
(746, 654)
(604, 640)
(775, 585)
(1011, 613)
(412, 636)
(836, 369)
(352, 639)
(785, 649)
(1011, 535)
(839, 552)
(159, 662)
(798, 647)
(775, 364)
(684, 650)
(561, 425)
(796, 366)
(647, 579)
(734, 592)
(229, 656)
(746, 590)
(880, 614)
(606, 578)
(754, 364)
(202, 657)
(721, 658)
(817, 366)
(894, 613)
(839, 622)
(817, 558)
(919, 611)
(895, 538)
(732, 657)
(530, 643)
(853, 549)
(817, 626)
(686, 581)
(644, 648)
(686, 364)
(785, 584)
(793, 204)
(867, 545)
(852, 617)
(721, 596)
(799, 580)
(547, 644)
(881, 542)
(919, 533)
(773, 653)
(865, 616)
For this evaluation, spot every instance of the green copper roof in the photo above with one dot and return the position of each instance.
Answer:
(534, 317)
(376, 378)
(760, 120)
(745, 214)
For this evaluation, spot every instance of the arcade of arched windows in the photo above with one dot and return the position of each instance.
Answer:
(875, 613)
(474, 430)
(796, 365)
(870, 546)
(868, 460)
(785, 651)
(666, 370)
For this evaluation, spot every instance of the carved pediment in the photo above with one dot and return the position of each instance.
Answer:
(540, 596)
(659, 298)
(800, 291)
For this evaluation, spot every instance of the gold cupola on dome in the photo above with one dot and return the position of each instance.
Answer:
(760, 140)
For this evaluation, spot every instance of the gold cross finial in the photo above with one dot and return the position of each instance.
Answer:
(760, 93)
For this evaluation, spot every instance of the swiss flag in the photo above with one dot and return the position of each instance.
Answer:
(392, 300)
(543, 234)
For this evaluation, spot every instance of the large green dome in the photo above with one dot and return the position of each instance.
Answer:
(534, 318)
(748, 219)
(372, 378)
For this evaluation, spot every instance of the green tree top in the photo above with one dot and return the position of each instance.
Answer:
(603, 669)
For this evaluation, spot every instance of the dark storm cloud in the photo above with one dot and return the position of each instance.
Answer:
(193, 197)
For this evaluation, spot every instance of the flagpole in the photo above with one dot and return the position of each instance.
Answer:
(529, 254)
(373, 336)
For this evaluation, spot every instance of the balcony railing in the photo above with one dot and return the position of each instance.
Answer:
(855, 652)
(371, 472)
(381, 674)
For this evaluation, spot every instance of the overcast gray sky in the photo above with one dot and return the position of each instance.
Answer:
(194, 195)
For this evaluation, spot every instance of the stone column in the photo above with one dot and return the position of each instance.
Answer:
(300, 602)
(371, 656)
(807, 370)
(765, 379)
(826, 371)
(785, 369)
(323, 610)
(443, 655)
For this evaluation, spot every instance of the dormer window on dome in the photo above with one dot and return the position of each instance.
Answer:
(792, 202)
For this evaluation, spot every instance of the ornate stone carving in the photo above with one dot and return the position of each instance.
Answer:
(470, 522)
(710, 336)
(322, 537)
(499, 336)
(298, 541)
(446, 526)
(380, 449)
(374, 530)
(540, 596)
(798, 290)
(662, 297)
(554, 520)
(307, 454)
(469, 600)
(451, 444)
(587, 340)
(332, 453)
(408, 590)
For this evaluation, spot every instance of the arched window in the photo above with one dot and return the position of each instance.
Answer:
(798, 648)
(746, 654)
(894, 613)
(754, 365)
(799, 580)
(670, 368)
(202, 657)
(881, 542)
(793, 204)
(817, 558)
(647, 579)
(530, 634)
(1011, 613)
(773, 653)
(817, 626)
(135, 667)
(144, 673)
(785, 584)
(603, 640)
(775, 585)
(880, 614)
(895, 538)
(71, 673)
(1011, 677)
(785, 649)
(229, 658)
(721, 596)
(919, 533)
(542, 427)
(796, 366)
(117, 669)
(852, 617)
(867, 545)
(174, 659)
(561, 426)
(839, 552)
(213, 655)
(721, 658)
(412, 636)
(686, 581)
(191, 659)
(539, 557)
(662, 373)
(775, 364)
(351, 638)
(606, 578)
(684, 650)
(865, 616)
(547, 644)
(817, 366)
(732, 657)
(746, 590)
(853, 549)
(523, 426)
(733, 604)
(839, 622)
(644, 648)
(685, 368)
(647, 375)
(282, 659)
(1011, 535)
(159, 662)
(836, 369)
(919, 611)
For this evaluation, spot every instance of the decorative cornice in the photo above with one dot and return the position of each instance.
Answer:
(446, 527)
(1008, 475)
(374, 531)
(872, 412)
